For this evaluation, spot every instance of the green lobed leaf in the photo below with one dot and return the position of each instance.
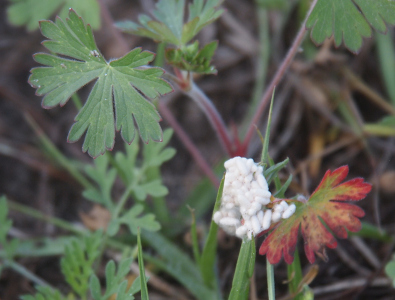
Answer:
(30, 12)
(115, 282)
(77, 263)
(105, 178)
(44, 293)
(168, 25)
(349, 20)
(133, 221)
(120, 83)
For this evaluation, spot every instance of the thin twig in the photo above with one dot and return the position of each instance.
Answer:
(193, 150)
(278, 76)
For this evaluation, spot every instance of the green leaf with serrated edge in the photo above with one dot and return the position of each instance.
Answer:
(168, 25)
(244, 269)
(155, 154)
(105, 178)
(349, 20)
(30, 12)
(115, 282)
(119, 82)
(77, 263)
(210, 248)
(131, 219)
(44, 293)
(143, 280)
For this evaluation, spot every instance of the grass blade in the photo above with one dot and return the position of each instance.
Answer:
(143, 280)
(210, 248)
(244, 270)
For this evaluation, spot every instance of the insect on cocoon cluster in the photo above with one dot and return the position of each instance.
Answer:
(243, 210)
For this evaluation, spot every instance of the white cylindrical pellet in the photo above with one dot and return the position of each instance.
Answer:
(262, 200)
(217, 216)
(241, 231)
(260, 193)
(247, 224)
(252, 212)
(260, 169)
(254, 168)
(267, 218)
(256, 227)
(229, 163)
(260, 215)
(278, 208)
(249, 163)
(284, 205)
(229, 205)
(289, 211)
(242, 167)
(256, 205)
(255, 185)
(276, 216)
(261, 181)
(236, 184)
(227, 221)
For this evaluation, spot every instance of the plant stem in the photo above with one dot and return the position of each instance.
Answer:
(278, 76)
(193, 150)
(270, 280)
(262, 63)
(215, 119)
(77, 101)
(26, 273)
(40, 216)
(58, 156)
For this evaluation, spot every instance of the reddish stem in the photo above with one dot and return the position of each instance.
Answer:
(277, 77)
(213, 116)
(193, 150)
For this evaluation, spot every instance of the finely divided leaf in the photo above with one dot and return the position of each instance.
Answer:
(327, 204)
(120, 83)
(30, 12)
(349, 20)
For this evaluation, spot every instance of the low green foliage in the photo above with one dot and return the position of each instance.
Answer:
(390, 270)
(169, 27)
(119, 83)
(78, 259)
(30, 12)
(192, 59)
(349, 20)
(45, 293)
(115, 282)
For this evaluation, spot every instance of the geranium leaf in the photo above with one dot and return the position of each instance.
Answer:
(168, 26)
(326, 204)
(349, 20)
(120, 83)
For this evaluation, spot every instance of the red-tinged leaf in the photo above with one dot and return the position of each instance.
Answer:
(326, 203)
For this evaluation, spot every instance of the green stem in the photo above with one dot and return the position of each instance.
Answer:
(26, 273)
(62, 160)
(77, 101)
(40, 216)
(270, 280)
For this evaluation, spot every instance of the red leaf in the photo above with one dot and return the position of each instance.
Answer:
(326, 203)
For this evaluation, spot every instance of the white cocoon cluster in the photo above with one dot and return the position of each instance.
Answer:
(243, 209)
